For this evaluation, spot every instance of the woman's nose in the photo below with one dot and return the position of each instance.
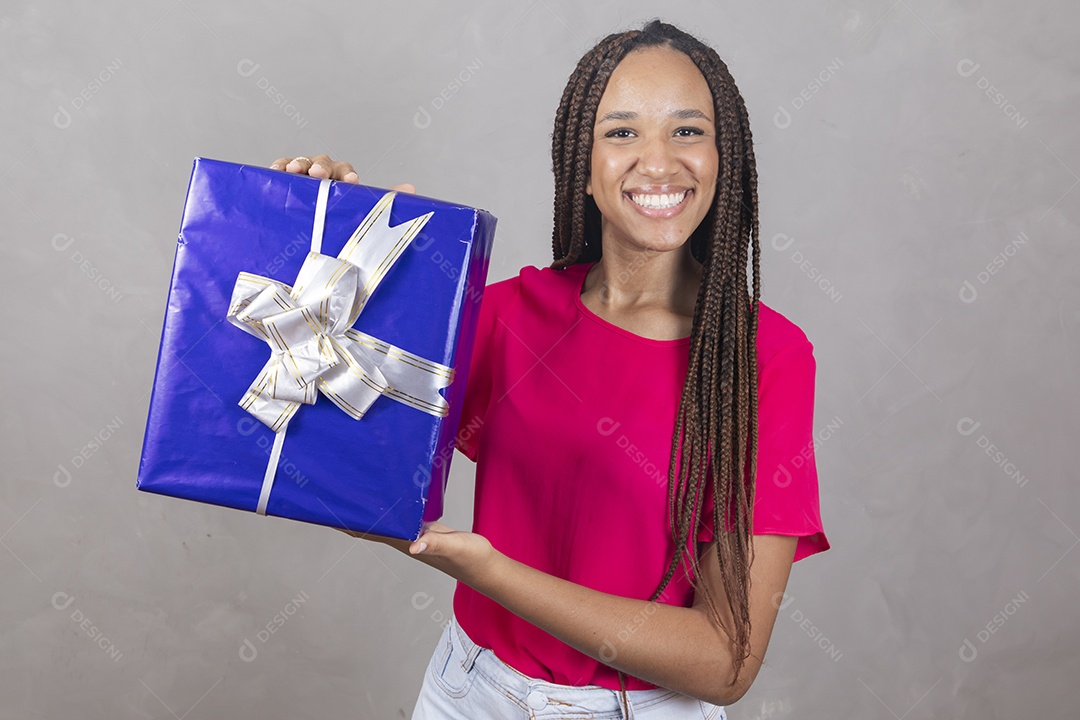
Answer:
(657, 158)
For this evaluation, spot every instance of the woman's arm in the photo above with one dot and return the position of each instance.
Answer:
(674, 647)
(678, 648)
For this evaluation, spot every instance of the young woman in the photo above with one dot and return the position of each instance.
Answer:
(617, 399)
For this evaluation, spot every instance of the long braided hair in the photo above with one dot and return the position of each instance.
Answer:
(716, 429)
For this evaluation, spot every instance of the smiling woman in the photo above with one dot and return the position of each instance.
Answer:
(599, 580)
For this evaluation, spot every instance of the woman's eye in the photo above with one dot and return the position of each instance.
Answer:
(689, 130)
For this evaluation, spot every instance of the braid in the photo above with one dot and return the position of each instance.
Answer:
(714, 441)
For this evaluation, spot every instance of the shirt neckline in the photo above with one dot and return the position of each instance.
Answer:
(580, 285)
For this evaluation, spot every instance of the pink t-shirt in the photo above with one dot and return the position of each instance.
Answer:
(570, 420)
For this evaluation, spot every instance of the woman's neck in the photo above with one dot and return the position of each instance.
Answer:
(624, 279)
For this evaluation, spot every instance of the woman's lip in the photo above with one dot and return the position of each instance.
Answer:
(660, 213)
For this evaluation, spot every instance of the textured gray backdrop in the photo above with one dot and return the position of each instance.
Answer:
(918, 165)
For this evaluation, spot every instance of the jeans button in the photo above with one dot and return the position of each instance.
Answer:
(536, 700)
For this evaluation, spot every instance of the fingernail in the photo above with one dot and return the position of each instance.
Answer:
(422, 548)
(275, 166)
(352, 177)
(293, 166)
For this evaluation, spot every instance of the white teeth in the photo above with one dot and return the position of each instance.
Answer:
(659, 201)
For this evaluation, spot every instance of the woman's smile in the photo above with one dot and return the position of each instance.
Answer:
(659, 205)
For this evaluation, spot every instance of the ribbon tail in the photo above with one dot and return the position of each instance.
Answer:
(271, 470)
(375, 246)
(259, 401)
(412, 380)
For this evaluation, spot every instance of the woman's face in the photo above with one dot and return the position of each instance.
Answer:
(654, 145)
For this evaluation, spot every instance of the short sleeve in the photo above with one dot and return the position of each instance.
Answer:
(786, 500)
(494, 304)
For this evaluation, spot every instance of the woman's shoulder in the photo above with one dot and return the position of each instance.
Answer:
(533, 280)
(547, 277)
(777, 332)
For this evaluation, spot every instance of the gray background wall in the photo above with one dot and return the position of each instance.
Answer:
(918, 166)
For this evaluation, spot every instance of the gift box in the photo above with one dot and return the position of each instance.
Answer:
(315, 349)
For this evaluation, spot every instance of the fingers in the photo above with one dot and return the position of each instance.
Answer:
(293, 165)
(322, 166)
(428, 529)
(319, 166)
(344, 171)
(396, 543)
(299, 165)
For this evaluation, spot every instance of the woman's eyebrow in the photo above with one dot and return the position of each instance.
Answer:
(684, 114)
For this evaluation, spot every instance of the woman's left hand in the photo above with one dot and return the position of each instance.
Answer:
(464, 556)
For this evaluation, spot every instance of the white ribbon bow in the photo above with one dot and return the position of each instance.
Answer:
(309, 330)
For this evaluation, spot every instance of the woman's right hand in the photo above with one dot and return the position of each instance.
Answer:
(321, 166)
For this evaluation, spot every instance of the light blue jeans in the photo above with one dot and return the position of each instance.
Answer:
(466, 682)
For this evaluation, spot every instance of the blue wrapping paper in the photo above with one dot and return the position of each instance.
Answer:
(385, 473)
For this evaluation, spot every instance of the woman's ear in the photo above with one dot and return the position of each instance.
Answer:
(588, 185)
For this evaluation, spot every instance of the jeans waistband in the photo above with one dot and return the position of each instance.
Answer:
(540, 695)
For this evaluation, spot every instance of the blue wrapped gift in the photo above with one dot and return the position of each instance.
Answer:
(315, 349)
